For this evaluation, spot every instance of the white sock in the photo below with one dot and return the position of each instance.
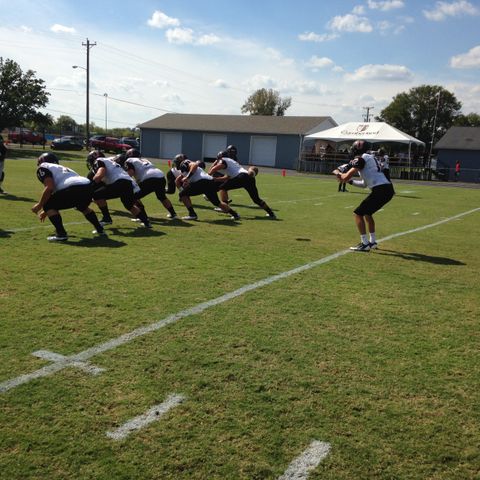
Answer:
(372, 237)
(363, 239)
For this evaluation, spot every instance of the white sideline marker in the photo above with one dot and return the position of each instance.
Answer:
(300, 468)
(73, 360)
(152, 415)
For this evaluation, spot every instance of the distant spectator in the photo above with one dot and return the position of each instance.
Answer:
(457, 170)
(383, 160)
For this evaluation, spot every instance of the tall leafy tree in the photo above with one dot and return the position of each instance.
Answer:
(419, 110)
(266, 102)
(41, 122)
(21, 94)
(65, 123)
(470, 120)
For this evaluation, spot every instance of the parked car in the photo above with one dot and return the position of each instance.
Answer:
(67, 143)
(23, 135)
(108, 144)
(133, 142)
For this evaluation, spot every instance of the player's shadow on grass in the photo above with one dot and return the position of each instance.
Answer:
(15, 198)
(418, 257)
(226, 221)
(5, 234)
(174, 222)
(135, 232)
(406, 196)
(96, 242)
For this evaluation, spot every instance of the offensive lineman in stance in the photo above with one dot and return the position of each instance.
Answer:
(192, 180)
(381, 193)
(64, 189)
(111, 181)
(149, 178)
(235, 176)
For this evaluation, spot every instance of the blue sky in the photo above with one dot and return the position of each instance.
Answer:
(331, 57)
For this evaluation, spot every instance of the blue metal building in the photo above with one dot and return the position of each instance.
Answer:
(460, 144)
(260, 140)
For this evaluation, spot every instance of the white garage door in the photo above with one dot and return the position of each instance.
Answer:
(263, 151)
(212, 144)
(170, 144)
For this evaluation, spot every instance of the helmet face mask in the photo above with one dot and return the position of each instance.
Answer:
(92, 156)
(359, 147)
(47, 157)
(231, 151)
(179, 159)
(133, 153)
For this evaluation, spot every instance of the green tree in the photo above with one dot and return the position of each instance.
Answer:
(266, 102)
(65, 124)
(470, 120)
(418, 110)
(41, 122)
(21, 94)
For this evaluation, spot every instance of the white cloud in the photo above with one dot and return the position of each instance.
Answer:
(209, 39)
(381, 73)
(25, 29)
(274, 54)
(186, 36)
(260, 81)
(320, 62)
(359, 10)
(305, 88)
(385, 5)
(443, 10)
(180, 35)
(220, 83)
(350, 23)
(315, 37)
(471, 59)
(160, 20)
(161, 83)
(57, 28)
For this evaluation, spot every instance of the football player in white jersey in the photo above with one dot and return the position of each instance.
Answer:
(235, 176)
(193, 180)
(369, 169)
(64, 189)
(149, 179)
(384, 161)
(115, 183)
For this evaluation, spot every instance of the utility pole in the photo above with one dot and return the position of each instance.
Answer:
(89, 45)
(439, 94)
(367, 116)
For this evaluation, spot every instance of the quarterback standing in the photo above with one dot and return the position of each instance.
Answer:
(369, 169)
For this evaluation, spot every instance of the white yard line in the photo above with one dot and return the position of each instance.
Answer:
(300, 468)
(61, 362)
(152, 415)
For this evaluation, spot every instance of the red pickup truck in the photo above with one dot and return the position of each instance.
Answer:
(108, 144)
(23, 135)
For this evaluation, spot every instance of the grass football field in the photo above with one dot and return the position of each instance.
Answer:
(228, 360)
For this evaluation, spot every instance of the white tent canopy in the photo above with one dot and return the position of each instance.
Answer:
(374, 132)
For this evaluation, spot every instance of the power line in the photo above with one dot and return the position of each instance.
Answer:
(116, 99)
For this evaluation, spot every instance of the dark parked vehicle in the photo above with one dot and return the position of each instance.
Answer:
(67, 143)
(133, 142)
